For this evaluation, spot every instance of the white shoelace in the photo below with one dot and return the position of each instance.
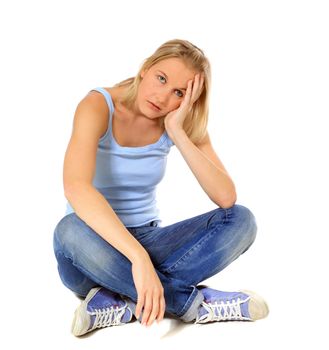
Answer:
(223, 311)
(108, 316)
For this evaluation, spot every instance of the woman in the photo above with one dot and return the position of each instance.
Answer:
(110, 246)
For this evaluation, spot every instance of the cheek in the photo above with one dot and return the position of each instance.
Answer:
(175, 103)
(146, 88)
(143, 92)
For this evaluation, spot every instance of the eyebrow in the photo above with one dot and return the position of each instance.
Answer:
(168, 79)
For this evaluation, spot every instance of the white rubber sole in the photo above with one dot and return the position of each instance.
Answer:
(257, 306)
(81, 320)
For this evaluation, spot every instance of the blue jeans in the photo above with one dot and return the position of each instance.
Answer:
(183, 254)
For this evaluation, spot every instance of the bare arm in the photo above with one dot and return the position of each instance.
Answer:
(91, 206)
(207, 169)
(90, 123)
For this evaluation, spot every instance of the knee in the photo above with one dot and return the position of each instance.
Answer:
(71, 277)
(65, 231)
(246, 222)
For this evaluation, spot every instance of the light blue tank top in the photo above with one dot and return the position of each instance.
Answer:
(127, 176)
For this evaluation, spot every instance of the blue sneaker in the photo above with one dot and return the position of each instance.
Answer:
(230, 306)
(101, 308)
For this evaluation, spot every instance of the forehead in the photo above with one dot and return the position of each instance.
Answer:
(176, 70)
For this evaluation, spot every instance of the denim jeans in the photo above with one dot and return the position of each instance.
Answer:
(183, 254)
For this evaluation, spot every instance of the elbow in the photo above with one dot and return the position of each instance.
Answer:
(226, 204)
(68, 192)
(226, 201)
(71, 189)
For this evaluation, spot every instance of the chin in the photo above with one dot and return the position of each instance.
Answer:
(152, 115)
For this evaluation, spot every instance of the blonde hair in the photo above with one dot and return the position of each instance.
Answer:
(195, 124)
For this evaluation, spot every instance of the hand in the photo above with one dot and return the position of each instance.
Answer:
(150, 294)
(174, 120)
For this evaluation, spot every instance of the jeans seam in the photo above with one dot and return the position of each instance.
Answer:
(190, 251)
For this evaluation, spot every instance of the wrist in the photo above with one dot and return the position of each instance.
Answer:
(177, 134)
(140, 256)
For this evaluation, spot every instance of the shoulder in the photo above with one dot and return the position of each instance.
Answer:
(93, 101)
(92, 113)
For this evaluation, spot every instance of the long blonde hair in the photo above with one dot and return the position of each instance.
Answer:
(195, 124)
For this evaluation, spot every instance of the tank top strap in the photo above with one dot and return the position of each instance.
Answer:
(107, 97)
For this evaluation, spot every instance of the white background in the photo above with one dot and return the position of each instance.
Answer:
(269, 106)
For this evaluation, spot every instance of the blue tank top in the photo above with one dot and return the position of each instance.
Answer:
(127, 176)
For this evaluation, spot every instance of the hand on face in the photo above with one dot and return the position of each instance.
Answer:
(194, 90)
(174, 120)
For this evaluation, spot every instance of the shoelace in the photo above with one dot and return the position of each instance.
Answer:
(109, 316)
(223, 311)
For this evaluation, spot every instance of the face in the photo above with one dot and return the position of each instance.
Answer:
(163, 87)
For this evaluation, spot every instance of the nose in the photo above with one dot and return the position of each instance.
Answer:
(162, 98)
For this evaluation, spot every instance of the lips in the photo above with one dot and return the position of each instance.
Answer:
(154, 106)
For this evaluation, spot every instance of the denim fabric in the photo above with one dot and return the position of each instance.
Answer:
(183, 254)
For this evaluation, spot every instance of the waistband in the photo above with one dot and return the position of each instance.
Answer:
(152, 223)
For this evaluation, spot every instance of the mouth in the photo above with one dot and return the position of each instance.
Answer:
(153, 106)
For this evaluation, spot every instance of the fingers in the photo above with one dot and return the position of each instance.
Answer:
(186, 102)
(162, 309)
(154, 308)
(194, 89)
(140, 304)
(150, 293)
(158, 309)
(197, 87)
(147, 309)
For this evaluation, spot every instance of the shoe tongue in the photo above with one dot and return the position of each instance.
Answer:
(245, 310)
(127, 315)
(202, 311)
(104, 299)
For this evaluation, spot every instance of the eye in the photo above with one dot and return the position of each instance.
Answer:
(161, 78)
(179, 93)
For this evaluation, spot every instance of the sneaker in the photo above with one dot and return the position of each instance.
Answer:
(230, 306)
(101, 308)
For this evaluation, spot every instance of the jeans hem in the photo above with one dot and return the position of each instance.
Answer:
(192, 306)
